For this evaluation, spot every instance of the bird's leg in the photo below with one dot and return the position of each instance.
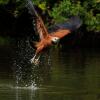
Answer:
(35, 59)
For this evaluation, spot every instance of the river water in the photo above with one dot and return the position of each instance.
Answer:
(63, 74)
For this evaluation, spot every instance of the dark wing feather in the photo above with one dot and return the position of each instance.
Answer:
(41, 29)
(62, 29)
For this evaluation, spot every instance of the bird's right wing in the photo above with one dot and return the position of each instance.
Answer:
(41, 29)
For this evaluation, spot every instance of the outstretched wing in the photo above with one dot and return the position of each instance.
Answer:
(61, 33)
(63, 29)
(41, 29)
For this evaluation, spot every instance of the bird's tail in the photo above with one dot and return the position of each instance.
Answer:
(72, 24)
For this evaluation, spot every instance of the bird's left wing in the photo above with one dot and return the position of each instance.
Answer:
(63, 29)
(61, 33)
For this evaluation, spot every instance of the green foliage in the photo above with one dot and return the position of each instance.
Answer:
(66, 9)
(4, 1)
(92, 17)
(4, 40)
(21, 4)
(40, 4)
(87, 10)
(61, 10)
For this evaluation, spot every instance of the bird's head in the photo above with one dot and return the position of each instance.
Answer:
(55, 40)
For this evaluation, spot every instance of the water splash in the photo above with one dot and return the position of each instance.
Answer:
(32, 87)
(28, 75)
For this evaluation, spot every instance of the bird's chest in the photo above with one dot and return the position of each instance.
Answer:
(47, 42)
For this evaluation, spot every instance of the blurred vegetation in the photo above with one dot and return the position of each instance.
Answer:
(61, 10)
(88, 10)
(56, 11)
(4, 1)
(4, 40)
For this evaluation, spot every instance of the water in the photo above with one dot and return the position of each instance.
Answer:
(71, 74)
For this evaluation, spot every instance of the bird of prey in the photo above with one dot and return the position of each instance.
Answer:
(47, 39)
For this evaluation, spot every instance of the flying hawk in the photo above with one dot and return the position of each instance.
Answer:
(47, 39)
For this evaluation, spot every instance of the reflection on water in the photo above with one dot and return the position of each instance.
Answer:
(71, 74)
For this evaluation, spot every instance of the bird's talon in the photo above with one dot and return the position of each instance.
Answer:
(35, 61)
(32, 60)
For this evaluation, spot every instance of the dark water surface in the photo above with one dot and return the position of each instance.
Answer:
(71, 74)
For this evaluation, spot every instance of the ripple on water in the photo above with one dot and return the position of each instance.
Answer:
(8, 86)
